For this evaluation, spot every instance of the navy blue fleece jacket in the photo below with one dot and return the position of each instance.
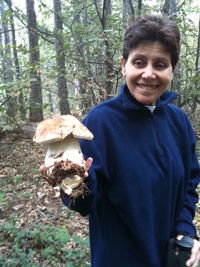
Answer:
(143, 180)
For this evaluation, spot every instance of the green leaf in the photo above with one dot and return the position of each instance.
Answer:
(2, 197)
(21, 234)
(48, 252)
(76, 239)
(62, 235)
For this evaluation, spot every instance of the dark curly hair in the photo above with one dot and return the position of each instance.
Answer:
(152, 28)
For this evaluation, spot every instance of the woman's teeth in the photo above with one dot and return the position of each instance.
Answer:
(148, 87)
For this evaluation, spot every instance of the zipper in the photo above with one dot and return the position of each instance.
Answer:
(155, 133)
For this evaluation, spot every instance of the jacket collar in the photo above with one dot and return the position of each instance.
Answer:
(129, 102)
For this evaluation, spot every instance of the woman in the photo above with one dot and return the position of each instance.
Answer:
(145, 170)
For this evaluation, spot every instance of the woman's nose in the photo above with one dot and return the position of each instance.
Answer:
(148, 72)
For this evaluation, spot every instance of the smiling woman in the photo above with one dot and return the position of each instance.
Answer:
(142, 182)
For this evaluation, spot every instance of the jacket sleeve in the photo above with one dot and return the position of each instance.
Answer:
(185, 224)
(97, 173)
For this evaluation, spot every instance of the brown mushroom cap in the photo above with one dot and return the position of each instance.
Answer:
(58, 128)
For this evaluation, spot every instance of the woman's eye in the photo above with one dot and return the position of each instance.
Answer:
(139, 63)
(160, 65)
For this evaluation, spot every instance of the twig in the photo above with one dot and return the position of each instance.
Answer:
(46, 264)
(38, 177)
(31, 224)
(41, 213)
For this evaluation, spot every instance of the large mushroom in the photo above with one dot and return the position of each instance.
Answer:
(64, 160)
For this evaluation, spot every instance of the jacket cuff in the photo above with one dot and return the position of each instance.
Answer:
(187, 234)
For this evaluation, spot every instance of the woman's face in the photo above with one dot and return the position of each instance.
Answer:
(148, 71)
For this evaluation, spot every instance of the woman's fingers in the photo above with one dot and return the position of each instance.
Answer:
(88, 164)
(195, 256)
(43, 170)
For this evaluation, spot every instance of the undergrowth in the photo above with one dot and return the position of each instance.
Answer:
(52, 246)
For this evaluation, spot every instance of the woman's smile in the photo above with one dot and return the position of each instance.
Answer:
(147, 87)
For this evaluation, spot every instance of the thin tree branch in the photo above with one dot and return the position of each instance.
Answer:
(198, 49)
(98, 12)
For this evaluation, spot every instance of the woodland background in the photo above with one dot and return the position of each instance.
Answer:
(60, 57)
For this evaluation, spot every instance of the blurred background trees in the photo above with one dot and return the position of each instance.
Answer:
(60, 57)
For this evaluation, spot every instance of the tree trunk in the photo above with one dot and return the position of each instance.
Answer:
(197, 74)
(60, 60)
(139, 7)
(91, 98)
(128, 12)
(81, 64)
(106, 92)
(50, 102)
(36, 112)
(1, 39)
(198, 50)
(16, 62)
(108, 58)
(7, 63)
(169, 8)
(176, 85)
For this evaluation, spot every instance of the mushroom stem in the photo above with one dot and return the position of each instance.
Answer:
(71, 151)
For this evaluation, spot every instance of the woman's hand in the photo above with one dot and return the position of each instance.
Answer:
(195, 255)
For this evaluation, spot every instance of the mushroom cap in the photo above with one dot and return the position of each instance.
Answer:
(58, 128)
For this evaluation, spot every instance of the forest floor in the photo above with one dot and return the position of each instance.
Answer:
(36, 229)
(32, 216)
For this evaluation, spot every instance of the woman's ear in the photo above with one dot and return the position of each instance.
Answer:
(123, 66)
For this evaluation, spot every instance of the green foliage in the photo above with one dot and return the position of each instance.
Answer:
(3, 201)
(43, 242)
(198, 151)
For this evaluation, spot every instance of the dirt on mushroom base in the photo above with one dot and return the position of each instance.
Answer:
(60, 170)
(27, 199)
(65, 170)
